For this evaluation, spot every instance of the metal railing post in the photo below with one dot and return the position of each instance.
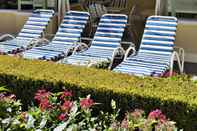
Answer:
(172, 7)
(19, 5)
(161, 7)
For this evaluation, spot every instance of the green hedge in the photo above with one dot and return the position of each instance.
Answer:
(176, 96)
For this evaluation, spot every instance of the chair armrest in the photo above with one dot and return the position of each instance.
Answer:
(49, 34)
(38, 42)
(118, 51)
(179, 56)
(181, 53)
(6, 37)
(115, 10)
(128, 51)
(128, 43)
(80, 47)
(86, 38)
(180, 50)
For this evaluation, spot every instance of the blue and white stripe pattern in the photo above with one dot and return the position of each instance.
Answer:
(107, 38)
(33, 29)
(68, 34)
(156, 49)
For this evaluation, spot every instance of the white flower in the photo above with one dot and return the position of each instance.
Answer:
(9, 109)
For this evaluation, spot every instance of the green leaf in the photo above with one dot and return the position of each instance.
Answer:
(3, 89)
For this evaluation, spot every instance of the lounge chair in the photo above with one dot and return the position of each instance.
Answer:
(68, 34)
(33, 29)
(156, 54)
(106, 43)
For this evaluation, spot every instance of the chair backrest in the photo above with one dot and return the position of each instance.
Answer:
(71, 27)
(36, 24)
(97, 10)
(110, 31)
(86, 3)
(119, 4)
(159, 35)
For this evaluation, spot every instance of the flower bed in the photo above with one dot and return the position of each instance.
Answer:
(58, 112)
(176, 96)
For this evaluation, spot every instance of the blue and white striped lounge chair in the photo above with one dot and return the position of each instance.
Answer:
(105, 44)
(33, 29)
(156, 54)
(68, 34)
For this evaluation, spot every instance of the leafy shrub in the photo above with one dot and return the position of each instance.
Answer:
(58, 112)
(176, 96)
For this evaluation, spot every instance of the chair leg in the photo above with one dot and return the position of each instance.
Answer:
(172, 7)
(175, 55)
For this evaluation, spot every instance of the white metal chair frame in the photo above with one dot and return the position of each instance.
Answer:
(6, 37)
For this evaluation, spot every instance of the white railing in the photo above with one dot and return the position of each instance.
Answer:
(175, 6)
(37, 3)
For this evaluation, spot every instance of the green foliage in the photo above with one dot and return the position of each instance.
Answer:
(3, 89)
(177, 95)
(9, 108)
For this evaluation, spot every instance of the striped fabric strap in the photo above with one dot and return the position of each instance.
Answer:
(109, 31)
(159, 35)
(71, 27)
(36, 24)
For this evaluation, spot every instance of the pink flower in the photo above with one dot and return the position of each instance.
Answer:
(125, 124)
(162, 118)
(2, 95)
(67, 105)
(86, 103)
(167, 74)
(44, 104)
(137, 113)
(5, 96)
(61, 117)
(157, 115)
(41, 95)
(12, 96)
(66, 94)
